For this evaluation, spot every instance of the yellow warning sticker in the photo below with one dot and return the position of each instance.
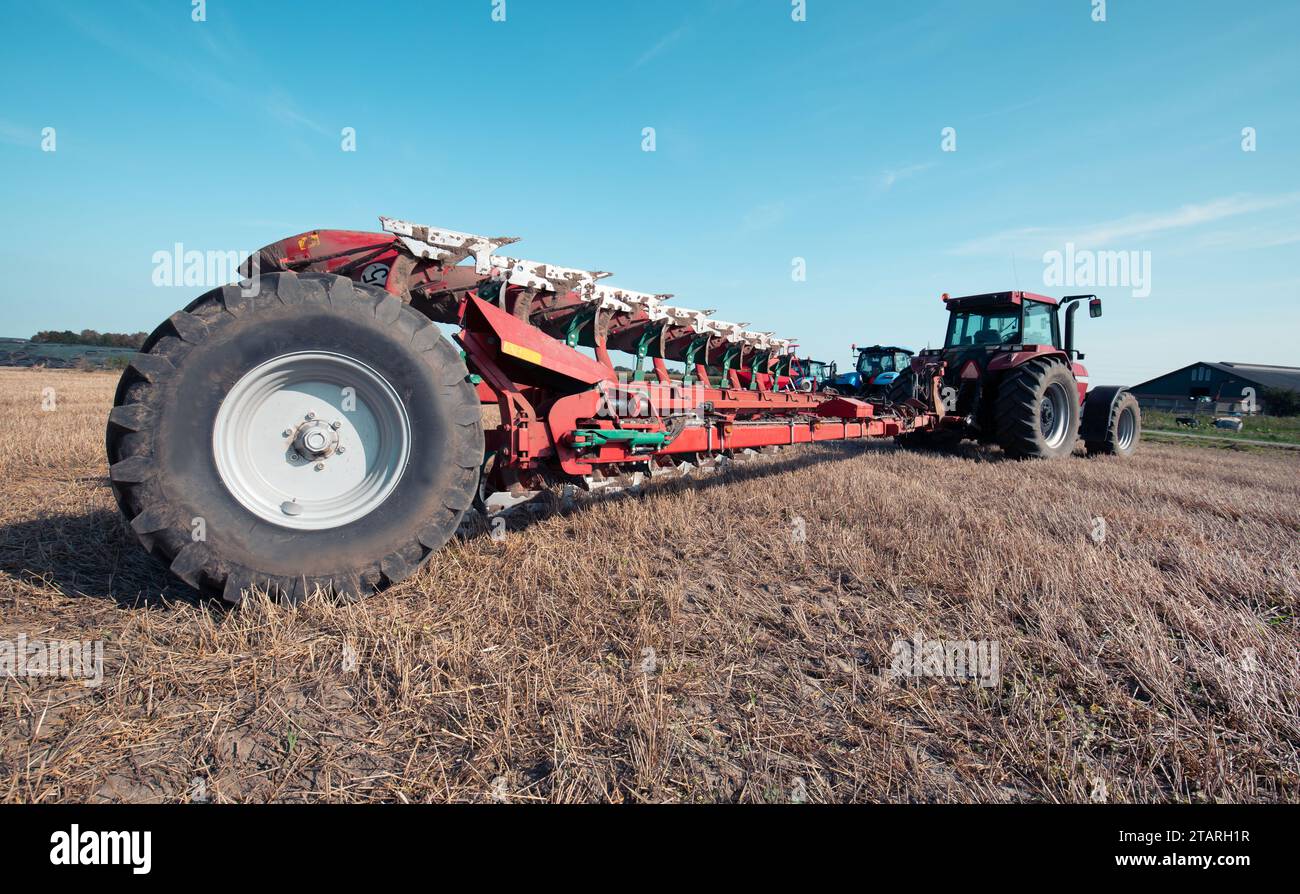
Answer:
(521, 352)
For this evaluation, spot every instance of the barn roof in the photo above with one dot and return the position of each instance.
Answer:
(1287, 377)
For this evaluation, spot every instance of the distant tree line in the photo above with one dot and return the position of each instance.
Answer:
(91, 338)
(1281, 402)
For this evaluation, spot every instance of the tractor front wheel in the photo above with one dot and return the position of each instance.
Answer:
(1123, 429)
(295, 434)
(1037, 410)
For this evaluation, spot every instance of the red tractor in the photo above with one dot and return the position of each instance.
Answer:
(1008, 375)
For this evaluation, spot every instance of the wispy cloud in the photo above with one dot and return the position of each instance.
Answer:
(1006, 110)
(663, 44)
(1134, 226)
(887, 179)
(276, 104)
(17, 135)
(766, 215)
(280, 106)
(1249, 237)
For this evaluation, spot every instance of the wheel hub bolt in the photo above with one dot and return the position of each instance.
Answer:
(319, 466)
(336, 425)
(311, 416)
(315, 440)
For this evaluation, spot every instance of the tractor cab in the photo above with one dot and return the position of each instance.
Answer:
(1000, 330)
(1012, 322)
(875, 370)
(811, 375)
(1001, 321)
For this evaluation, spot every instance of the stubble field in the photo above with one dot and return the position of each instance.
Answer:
(727, 638)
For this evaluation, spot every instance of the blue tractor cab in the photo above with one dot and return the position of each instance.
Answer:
(876, 368)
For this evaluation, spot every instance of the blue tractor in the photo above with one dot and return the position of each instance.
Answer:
(875, 370)
(811, 375)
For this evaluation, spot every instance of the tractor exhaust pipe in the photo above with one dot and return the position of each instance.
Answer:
(1071, 302)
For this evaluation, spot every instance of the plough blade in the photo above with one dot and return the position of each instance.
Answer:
(572, 305)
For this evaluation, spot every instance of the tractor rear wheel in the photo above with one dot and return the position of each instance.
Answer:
(1123, 429)
(1037, 410)
(315, 435)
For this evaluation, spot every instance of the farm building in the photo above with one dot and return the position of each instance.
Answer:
(1220, 387)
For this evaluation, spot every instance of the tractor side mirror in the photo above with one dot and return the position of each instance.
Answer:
(1094, 308)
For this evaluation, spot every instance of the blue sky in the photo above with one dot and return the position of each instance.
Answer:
(774, 139)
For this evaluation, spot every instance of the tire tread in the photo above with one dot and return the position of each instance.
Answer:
(130, 439)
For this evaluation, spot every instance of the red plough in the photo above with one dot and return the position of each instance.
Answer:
(332, 438)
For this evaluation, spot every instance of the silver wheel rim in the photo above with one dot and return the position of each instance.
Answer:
(311, 440)
(1126, 428)
(1054, 415)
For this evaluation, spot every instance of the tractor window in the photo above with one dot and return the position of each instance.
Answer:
(1040, 324)
(870, 364)
(995, 326)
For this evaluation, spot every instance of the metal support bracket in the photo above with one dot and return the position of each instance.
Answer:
(650, 334)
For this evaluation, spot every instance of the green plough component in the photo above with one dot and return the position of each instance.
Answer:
(595, 438)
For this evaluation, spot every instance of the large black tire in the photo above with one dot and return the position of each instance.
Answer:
(1123, 428)
(1028, 414)
(161, 454)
